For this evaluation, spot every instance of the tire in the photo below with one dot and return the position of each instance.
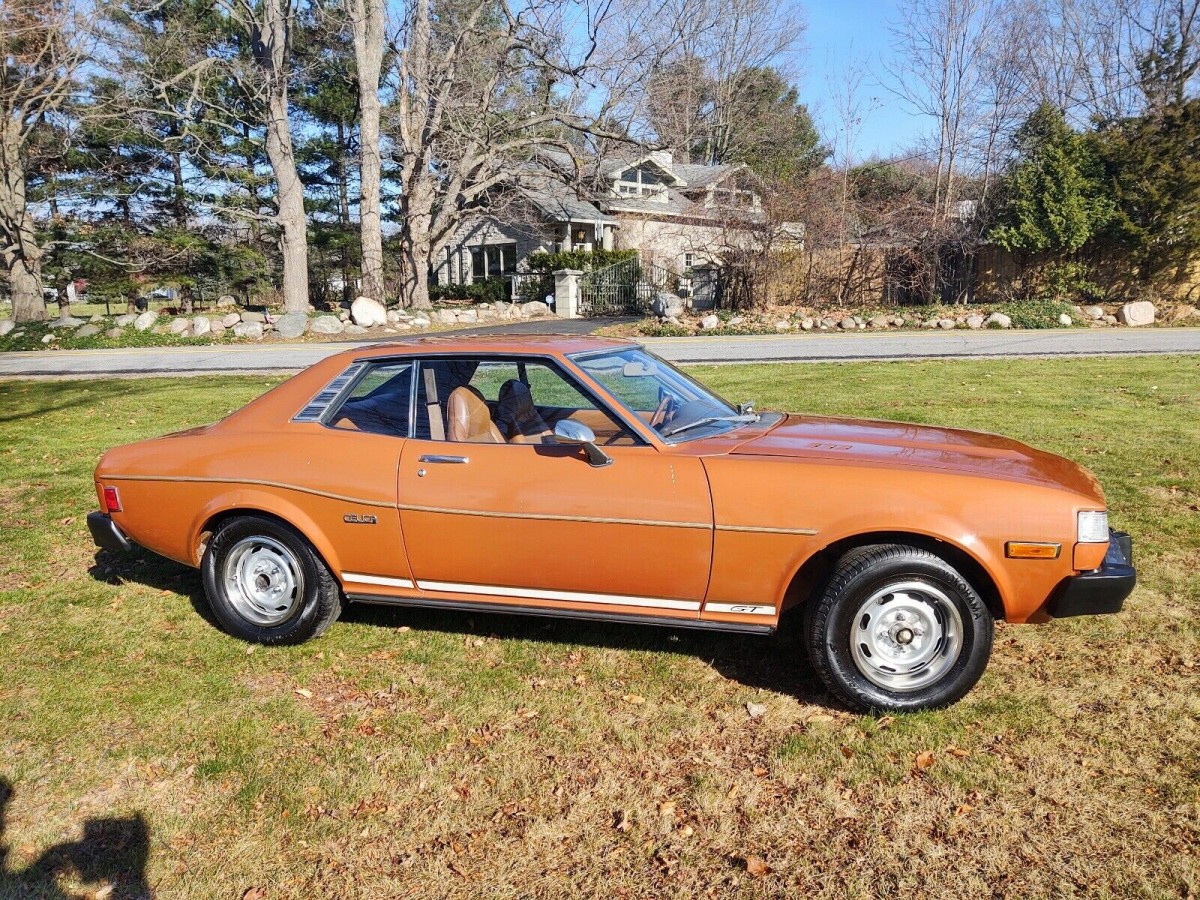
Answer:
(897, 629)
(265, 583)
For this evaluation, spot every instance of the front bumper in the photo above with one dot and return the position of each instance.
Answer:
(1102, 591)
(107, 534)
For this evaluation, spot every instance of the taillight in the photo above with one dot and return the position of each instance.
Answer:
(112, 502)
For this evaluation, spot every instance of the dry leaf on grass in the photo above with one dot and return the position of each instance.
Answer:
(756, 867)
(621, 821)
(634, 699)
(254, 893)
(958, 751)
(305, 693)
(925, 759)
(756, 710)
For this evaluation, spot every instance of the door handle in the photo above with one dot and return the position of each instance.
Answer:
(437, 458)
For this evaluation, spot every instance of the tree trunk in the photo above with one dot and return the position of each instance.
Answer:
(415, 251)
(367, 17)
(21, 255)
(289, 195)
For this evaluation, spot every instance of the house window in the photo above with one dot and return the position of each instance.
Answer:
(493, 261)
(687, 260)
(642, 182)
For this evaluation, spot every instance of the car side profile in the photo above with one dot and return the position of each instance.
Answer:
(586, 478)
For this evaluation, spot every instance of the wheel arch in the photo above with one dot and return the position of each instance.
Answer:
(815, 571)
(216, 514)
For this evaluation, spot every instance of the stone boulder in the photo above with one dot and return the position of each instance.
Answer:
(179, 326)
(66, 322)
(226, 300)
(87, 331)
(354, 329)
(946, 324)
(201, 325)
(216, 328)
(664, 305)
(975, 322)
(709, 322)
(848, 324)
(535, 308)
(467, 317)
(445, 317)
(6, 325)
(96, 319)
(393, 316)
(291, 325)
(125, 320)
(881, 321)
(230, 319)
(1140, 313)
(327, 325)
(49, 338)
(807, 323)
(114, 332)
(997, 320)
(1065, 320)
(421, 321)
(249, 317)
(1183, 312)
(368, 313)
(1093, 312)
(783, 325)
(251, 330)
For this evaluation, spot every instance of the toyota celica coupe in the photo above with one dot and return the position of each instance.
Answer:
(588, 479)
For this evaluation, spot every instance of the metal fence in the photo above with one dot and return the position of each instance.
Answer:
(623, 289)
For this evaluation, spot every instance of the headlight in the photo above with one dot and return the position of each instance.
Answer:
(1092, 527)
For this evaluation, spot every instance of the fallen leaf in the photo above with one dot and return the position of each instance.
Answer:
(733, 791)
(103, 893)
(633, 699)
(756, 710)
(885, 722)
(759, 771)
(621, 821)
(666, 808)
(958, 751)
(254, 893)
(305, 693)
(964, 809)
(847, 752)
(404, 628)
(925, 759)
(757, 867)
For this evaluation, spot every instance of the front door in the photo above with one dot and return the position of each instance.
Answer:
(493, 511)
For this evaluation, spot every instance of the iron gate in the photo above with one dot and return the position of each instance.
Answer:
(623, 289)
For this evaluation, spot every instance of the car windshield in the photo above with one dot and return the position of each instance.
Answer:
(674, 405)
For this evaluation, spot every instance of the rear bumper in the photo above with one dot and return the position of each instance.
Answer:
(1102, 591)
(106, 533)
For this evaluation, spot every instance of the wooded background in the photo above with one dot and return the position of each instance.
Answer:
(307, 151)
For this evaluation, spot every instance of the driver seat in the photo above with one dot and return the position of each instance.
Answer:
(517, 415)
(469, 419)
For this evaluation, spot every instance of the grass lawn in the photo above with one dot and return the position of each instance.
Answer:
(417, 754)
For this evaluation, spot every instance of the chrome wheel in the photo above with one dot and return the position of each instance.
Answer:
(906, 636)
(263, 580)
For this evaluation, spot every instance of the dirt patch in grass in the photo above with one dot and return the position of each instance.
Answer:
(426, 754)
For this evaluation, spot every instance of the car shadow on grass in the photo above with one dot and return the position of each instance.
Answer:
(113, 852)
(775, 663)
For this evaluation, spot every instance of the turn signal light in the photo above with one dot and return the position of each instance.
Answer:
(112, 502)
(1031, 550)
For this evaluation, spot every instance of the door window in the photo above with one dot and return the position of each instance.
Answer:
(507, 401)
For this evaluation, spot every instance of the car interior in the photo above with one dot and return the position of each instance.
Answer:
(475, 401)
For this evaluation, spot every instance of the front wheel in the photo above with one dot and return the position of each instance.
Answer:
(898, 629)
(266, 584)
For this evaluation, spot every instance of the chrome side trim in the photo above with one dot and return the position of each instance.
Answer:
(766, 529)
(741, 609)
(550, 612)
(255, 482)
(565, 596)
(442, 458)
(380, 580)
(600, 520)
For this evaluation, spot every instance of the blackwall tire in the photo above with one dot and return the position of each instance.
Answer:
(898, 629)
(265, 583)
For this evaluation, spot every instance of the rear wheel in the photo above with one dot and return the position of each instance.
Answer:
(896, 629)
(266, 584)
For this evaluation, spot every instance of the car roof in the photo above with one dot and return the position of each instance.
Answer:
(537, 344)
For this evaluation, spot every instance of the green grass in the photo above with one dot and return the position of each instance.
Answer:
(455, 755)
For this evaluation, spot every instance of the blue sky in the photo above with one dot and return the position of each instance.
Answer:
(839, 33)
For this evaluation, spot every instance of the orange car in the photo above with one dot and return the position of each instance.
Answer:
(586, 478)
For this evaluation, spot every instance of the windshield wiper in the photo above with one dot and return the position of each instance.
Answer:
(709, 420)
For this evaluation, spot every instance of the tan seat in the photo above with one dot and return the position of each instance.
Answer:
(469, 419)
(517, 417)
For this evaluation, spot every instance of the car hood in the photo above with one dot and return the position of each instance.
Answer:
(904, 445)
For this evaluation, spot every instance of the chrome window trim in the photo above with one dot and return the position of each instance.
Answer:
(316, 409)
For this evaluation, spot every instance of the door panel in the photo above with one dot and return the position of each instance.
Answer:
(538, 517)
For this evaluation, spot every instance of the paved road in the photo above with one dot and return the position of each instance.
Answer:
(782, 348)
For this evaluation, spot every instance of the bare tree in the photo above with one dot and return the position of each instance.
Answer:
(43, 46)
(482, 87)
(367, 19)
(267, 26)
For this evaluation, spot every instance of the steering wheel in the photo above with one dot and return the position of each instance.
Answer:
(666, 406)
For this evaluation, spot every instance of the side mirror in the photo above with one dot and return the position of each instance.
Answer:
(569, 431)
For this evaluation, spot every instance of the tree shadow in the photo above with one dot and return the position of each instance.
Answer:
(776, 663)
(112, 851)
(56, 396)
